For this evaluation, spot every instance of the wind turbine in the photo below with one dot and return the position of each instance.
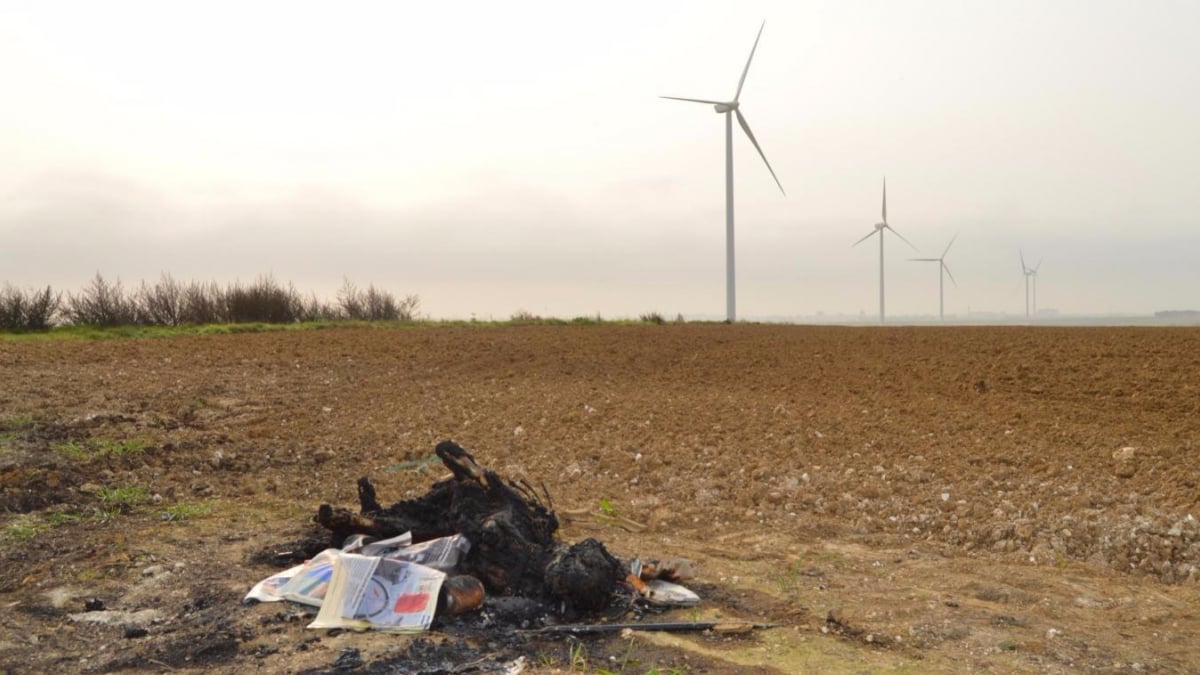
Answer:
(879, 228)
(729, 109)
(943, 271)
(1030, 273)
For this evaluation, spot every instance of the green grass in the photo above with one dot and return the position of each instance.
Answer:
(186, 511)
(11, 427)
(28, 526)
(608, 512)
(62, 518)
(125, 495)
(626, 661)
(577, 660)
(118, 448)
(16, 422)
(789, 580)
(133, 332)
(72, 449)
(108, 515)
(23, 529)
(100, 447)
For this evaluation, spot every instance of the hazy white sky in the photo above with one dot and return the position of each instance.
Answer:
(491, 157)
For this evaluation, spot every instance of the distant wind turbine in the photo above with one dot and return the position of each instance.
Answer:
(1030, 273)
(879, 228)
(943, 271)
(726, 108)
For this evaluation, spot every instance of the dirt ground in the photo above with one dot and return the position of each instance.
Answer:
(897, 499)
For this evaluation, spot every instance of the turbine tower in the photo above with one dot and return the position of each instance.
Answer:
(879, 228)
(943, 271)
(1030, 273)
(730, 109)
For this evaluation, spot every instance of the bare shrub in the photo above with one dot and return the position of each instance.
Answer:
(203, 304)
(264, 301)
(350, 300)
(169, 302)
(375, 304)
(102, 304)
(652, 317)
(382, 305)
(12, 309)
(315, 309)
(408, 307)
(28, 310)
(40, 309)
(162, 303)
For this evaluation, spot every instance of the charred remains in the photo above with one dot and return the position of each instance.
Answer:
(514, 550)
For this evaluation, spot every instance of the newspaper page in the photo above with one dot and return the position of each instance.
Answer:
(305, 583)
(441, 554)
(365, 545)
(309, 585)
(269, 589)
(368, 592)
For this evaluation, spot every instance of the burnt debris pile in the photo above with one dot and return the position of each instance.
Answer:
(512, 530)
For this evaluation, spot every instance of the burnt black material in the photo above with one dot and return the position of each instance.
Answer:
(511, 530)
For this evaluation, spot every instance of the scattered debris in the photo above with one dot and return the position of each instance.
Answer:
(510, 529)
(474, 543)
(667, 594)
(673, 626)
(142, 618)
(348, 659)
(585, 576)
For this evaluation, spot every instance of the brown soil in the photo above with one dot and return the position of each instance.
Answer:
(911, 499)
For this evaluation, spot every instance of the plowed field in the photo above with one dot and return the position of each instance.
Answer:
(899, 499)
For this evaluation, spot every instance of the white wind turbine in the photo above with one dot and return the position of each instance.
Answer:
(1030, 273)
(943, 271)
(879, 228)
(729, 109)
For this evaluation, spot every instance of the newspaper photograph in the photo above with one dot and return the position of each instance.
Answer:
(369, 592)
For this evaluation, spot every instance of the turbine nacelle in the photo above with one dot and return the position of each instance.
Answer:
(880, 226)
(725, 107)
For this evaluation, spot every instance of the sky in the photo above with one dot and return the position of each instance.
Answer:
(501, 157)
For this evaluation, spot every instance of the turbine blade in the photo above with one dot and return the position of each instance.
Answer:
(926, 259)
(869, 235)
(901, 236)
(950, 244)
(945, 267)
(746, 128)
(747, 68)
(695, 100)
(885, 201)
(1024, 269)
